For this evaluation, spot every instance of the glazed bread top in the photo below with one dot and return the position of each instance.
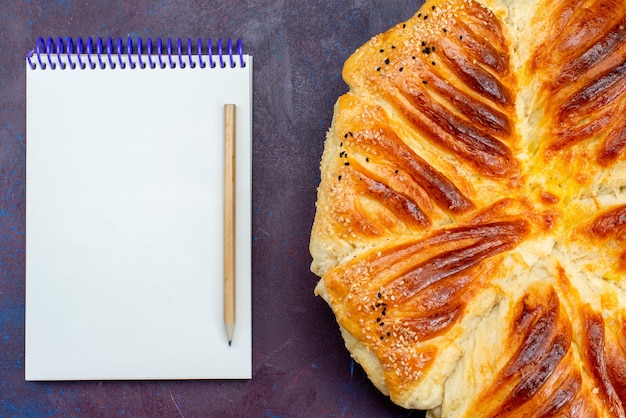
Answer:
(471, 216)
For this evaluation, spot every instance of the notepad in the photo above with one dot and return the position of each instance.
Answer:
(124, 210)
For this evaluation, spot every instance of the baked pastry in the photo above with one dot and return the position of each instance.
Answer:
(470, 231)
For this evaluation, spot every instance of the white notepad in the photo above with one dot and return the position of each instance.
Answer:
(124, 215)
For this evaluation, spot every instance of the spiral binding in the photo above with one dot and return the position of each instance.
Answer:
(84, 54)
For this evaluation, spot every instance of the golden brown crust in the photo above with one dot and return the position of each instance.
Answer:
(471, 219)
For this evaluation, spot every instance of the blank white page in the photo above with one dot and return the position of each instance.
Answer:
(124, 223)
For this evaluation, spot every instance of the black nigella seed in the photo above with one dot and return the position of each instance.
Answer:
(350, 133)
(377, 68)
(403, 25)
(461, 37)
(445, 30)
(346, 163)
(433, 62)
(393, 47)
(425, 17)
(382, 50)
(401, 68)
(425, 82)
(339, 178)
(387, 61)
(419, 15)
(423, 43)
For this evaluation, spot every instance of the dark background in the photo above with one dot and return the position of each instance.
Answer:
(300, 365)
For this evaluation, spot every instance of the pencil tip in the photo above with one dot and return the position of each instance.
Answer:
(230, 328)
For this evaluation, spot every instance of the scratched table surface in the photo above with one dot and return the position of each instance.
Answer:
(300, 365)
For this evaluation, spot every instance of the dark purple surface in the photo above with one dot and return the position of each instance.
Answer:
(300, 365)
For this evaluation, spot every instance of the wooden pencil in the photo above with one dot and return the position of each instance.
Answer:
(230, 134)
